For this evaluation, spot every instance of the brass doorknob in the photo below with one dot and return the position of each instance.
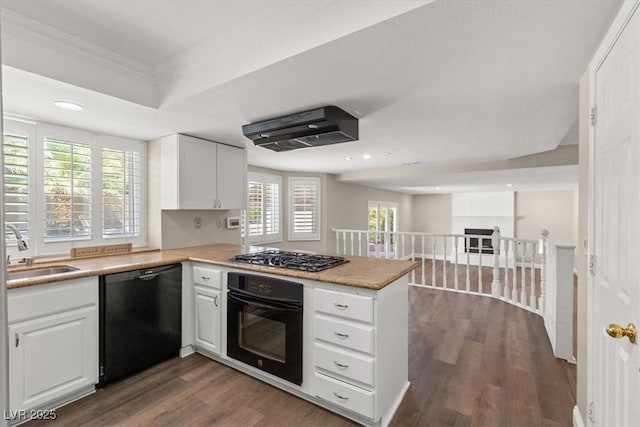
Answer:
(617, 331)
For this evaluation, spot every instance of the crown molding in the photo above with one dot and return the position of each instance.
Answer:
(37, 32)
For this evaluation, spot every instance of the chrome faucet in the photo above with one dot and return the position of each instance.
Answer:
(22, 245)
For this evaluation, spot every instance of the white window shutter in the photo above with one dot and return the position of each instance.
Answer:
(67, 190)
(262, 217)
(304, 209)
(121, 193)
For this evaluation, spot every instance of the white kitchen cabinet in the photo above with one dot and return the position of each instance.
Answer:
(207, 283)
(360, 349)
(201, 174)
(207, 319)
(53, 352)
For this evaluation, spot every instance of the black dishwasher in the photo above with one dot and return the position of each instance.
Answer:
(140, 320)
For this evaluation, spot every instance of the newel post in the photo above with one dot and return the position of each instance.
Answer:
(495, 243)
(542, 250)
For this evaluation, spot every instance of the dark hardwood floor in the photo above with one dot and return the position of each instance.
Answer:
(473, 361)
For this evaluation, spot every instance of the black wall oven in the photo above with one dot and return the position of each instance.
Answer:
(264, 324)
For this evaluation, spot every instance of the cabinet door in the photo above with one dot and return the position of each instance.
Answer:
(196, 173)
(207, 312)
(52, 356)
(232, 177)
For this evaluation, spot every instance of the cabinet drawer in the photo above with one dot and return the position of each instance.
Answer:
(355, 307)
(349, 366)
(207, 277)
(36, 301)
(356, 337)
(344, 395)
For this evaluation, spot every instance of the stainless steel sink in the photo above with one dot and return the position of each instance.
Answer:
(36, 272)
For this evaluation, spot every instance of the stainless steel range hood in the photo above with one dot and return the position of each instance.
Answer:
(312, 128)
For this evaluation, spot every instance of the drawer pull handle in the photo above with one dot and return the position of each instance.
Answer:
(344, 399)
(204, 277)
(215, 300)
(17, 339)
(341, 335)
(341, 306)
(340, 365)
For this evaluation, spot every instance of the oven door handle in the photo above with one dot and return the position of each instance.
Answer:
(265, 306)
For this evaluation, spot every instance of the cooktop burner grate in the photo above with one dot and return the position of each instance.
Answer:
(291, 260)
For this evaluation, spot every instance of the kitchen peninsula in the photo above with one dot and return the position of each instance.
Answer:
(352, 333)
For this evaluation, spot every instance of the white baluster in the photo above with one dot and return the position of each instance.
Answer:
(413, 257)
(352, 239)
(480, 290)
(523, 283)
(344, 242)
(337, 242)
(377, 245)
(506, 270)
(403, 242)
(495, 244)
(359, 243)
(467, 247)
(433, 263)
(455, 263)
(424, 267)
(543, 270)
(444, 262)
(532, 282)
(514, 274)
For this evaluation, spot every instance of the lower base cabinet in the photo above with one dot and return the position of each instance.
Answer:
(53, 337)
(207, 319)
(207, 286)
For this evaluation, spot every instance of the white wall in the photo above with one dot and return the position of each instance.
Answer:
(551, 210)
(4, 341)
(342, 205)
(432, 213)
(534, 210)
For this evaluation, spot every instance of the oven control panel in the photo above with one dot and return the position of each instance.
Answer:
(259, 287)
(266, 287)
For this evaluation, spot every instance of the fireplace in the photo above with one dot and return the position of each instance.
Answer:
(475, 245)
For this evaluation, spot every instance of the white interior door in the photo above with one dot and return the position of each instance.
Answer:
(615, 233)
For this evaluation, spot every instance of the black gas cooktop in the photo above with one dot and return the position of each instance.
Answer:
(291, 260)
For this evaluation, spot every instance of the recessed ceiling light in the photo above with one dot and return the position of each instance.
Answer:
(366, 156)
(437, 188)
(65, 105)
(509, 185)
(348, 158)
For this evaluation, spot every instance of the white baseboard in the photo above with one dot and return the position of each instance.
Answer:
(577, 418)
(187, 350)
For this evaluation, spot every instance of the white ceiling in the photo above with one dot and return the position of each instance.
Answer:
(445, 82)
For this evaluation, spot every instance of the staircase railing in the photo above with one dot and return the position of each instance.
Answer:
(511, 269)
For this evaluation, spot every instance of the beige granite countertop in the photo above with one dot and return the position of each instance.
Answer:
(370, 273)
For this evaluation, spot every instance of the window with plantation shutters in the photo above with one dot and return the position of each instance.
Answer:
(16, 185)
(262, 217)
(67, 190)
(121, 193)
(304, 208)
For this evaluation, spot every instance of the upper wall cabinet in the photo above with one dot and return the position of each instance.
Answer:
(201, 174)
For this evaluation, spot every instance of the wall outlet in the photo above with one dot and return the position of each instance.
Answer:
(197, 222)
